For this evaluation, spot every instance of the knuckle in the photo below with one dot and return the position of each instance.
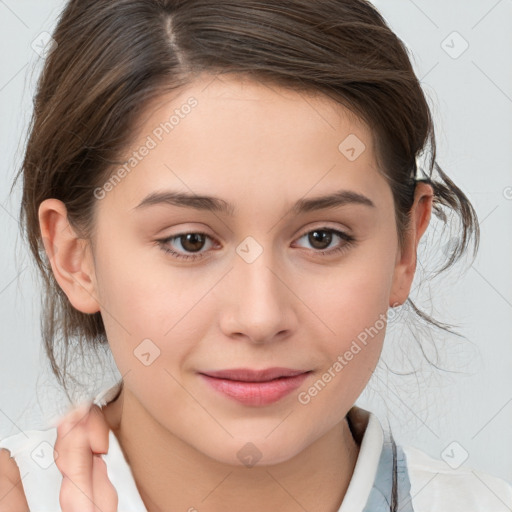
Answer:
(61, 464)
(71, 468)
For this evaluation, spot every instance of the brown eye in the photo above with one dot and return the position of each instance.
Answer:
(319, 238)
(192, 241)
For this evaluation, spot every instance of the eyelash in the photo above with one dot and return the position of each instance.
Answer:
(349, 241)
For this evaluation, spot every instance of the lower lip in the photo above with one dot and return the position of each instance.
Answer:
(256, 393)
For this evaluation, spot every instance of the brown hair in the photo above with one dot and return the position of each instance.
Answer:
(113, 58)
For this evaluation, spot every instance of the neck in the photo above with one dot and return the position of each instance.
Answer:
(315, 479)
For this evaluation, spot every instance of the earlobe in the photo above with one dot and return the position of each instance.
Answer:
(405, 267)
(69, 256)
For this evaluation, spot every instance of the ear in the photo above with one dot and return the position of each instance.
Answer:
(70, 256)
(405, 267)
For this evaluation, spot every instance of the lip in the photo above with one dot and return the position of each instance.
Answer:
(249, 375)
(255, 387)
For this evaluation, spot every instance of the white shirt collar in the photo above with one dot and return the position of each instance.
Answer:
(366, 426)
(366, 429)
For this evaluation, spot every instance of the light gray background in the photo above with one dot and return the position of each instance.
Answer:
(471, 99)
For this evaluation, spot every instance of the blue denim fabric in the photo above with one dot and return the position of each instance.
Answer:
(380, 499)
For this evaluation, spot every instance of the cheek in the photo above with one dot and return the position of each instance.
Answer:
(146, 308)
(356, 317)
(351, 295)
(131, 287)
(352, 302)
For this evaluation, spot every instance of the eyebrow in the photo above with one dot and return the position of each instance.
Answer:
(215, 204)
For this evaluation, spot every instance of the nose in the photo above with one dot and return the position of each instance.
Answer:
(258, 304)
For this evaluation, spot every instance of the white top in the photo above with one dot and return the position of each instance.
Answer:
(424, 484)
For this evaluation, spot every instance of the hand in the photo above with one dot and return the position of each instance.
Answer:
(12, 495)
(81, 437)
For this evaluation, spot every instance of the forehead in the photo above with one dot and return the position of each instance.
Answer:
(244, 103)
(247, 136)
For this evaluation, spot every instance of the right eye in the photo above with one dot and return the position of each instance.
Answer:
(188, 241)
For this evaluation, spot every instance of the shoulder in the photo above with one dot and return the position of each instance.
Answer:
(33, 451)
(447, 486)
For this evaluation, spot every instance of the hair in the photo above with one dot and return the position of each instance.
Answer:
(112, 59)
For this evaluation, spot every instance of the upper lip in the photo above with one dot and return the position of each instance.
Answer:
(249, 375)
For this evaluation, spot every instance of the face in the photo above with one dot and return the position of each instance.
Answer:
(186, 289)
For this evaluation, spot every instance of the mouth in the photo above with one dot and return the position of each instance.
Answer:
(255, 387)
(248, 375)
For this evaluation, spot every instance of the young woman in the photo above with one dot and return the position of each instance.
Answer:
(227, 194)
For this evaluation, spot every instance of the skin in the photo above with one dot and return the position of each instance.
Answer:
(261, 148)
(12, 496)
(82, 433)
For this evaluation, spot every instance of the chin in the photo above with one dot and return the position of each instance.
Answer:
(259, 452)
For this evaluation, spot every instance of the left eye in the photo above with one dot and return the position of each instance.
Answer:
(194, 241)
(325, 235)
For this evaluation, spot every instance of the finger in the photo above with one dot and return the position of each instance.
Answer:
(74, 460)
(98, 430)
(105, 494)
(92, 416)
(12, 494)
